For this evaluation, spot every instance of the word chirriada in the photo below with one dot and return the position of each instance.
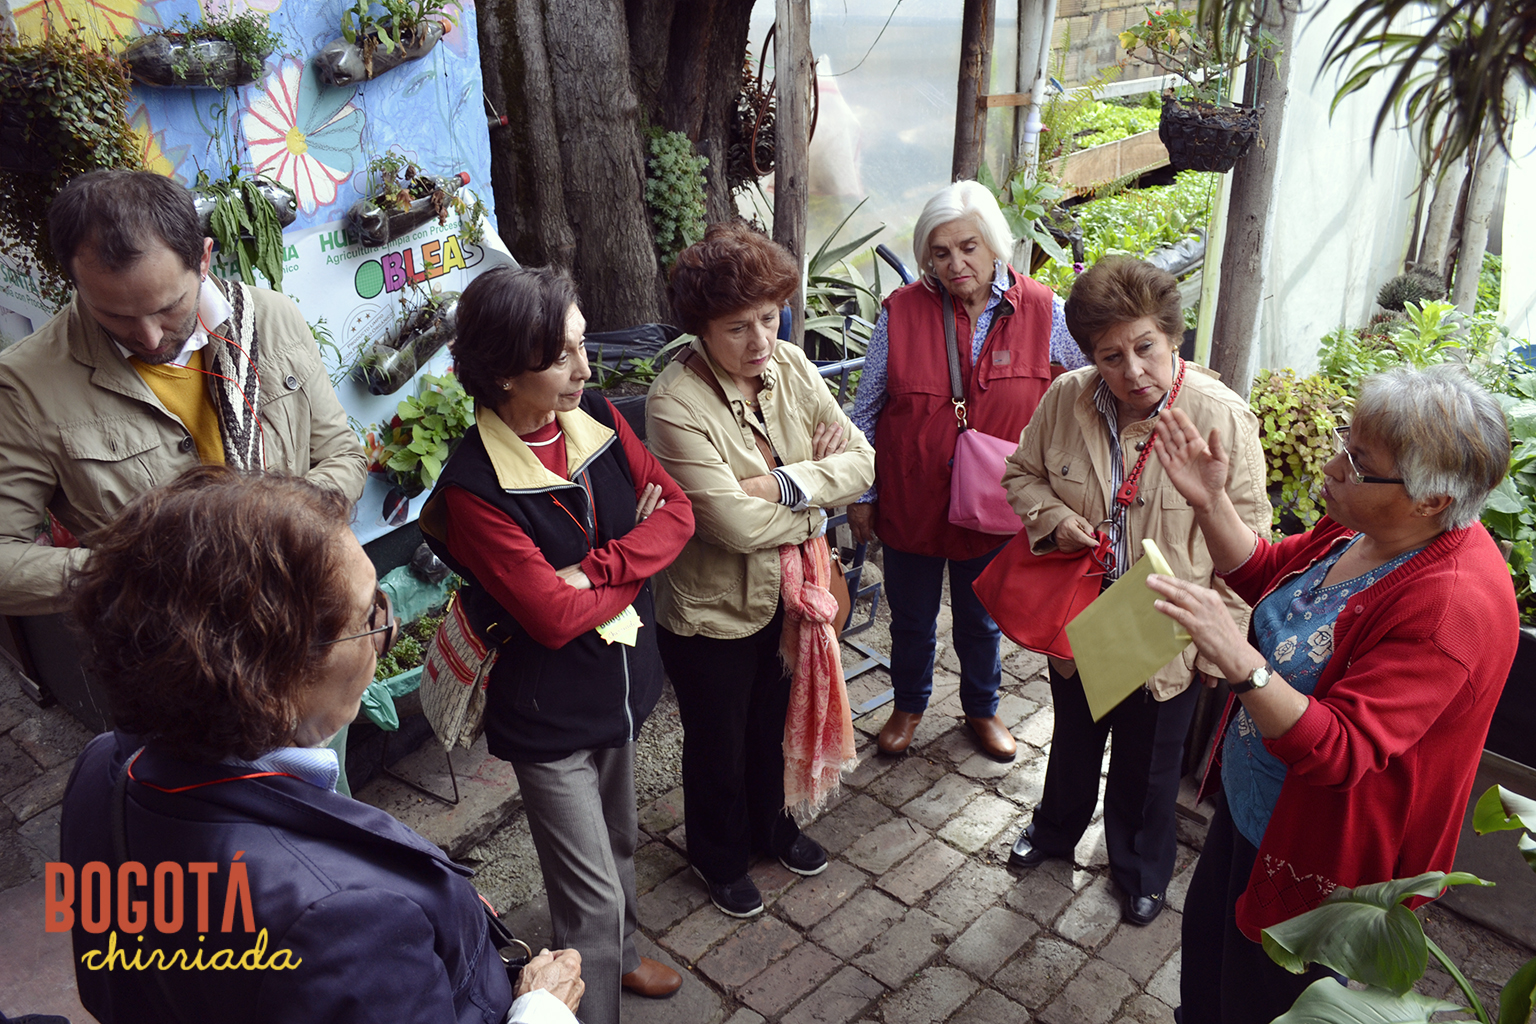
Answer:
(134, 900)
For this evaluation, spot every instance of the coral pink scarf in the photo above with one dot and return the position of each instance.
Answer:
(818, 730)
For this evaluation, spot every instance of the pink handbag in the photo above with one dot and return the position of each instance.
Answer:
(976, 497)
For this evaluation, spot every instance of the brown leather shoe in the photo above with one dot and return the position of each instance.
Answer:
(994, 738)
(896, 737)
(652, 979)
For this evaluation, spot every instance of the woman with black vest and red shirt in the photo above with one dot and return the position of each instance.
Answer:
(556, 516)
(1008, 330)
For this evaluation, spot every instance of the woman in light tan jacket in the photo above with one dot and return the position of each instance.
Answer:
(752, 434)
(1090, 432)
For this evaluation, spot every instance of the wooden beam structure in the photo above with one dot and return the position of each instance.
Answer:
(794, 73)
(977, 23)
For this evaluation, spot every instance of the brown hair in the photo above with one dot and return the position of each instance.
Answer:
(510, 320)
(733, 268)
(115, 213)
(203, 603)
(1121, 290)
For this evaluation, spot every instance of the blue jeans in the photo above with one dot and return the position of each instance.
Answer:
(914, 585)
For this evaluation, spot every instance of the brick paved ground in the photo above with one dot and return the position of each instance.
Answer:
(918, 919)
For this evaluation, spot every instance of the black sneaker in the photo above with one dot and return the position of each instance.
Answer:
(736, 899)
(805, 857)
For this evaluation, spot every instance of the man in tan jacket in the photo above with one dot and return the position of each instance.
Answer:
(153, 368)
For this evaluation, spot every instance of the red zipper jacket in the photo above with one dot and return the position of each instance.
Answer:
(1380, 765)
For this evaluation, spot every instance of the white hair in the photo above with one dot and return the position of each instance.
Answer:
(1445, 433)
(956, 202)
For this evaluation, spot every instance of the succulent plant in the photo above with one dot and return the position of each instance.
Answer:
(1414, 286)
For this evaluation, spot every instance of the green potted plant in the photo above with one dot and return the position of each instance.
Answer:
(212, 53)
(401, 199)
(1366, 934)
(63, 112)
(246, 215)
(411, 450)
(404, 30)
(1206, 131)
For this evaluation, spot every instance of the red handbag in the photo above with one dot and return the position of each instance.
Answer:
(977, 500)
(1032, 597)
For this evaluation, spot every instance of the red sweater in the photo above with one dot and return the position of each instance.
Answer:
(1380, 765)
(513, 570)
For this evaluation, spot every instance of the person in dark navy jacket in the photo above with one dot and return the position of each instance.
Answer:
(210, 871)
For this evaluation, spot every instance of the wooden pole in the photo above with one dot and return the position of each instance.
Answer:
(977, 23)
(1246, 257)
(792, 126)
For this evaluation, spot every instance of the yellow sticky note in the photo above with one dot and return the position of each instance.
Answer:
(623, 628)
(1120, 641)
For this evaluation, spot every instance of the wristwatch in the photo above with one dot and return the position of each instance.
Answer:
(1257, 680)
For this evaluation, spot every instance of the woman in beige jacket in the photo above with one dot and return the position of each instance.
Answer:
(1090, 432)
(752, 434)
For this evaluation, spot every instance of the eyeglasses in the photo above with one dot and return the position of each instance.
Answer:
(386, 634)
(1341, 444)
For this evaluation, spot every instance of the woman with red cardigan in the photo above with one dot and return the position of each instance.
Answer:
(1379, 645)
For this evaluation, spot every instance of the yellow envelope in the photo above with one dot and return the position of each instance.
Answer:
(623, 628)
(1120, 641)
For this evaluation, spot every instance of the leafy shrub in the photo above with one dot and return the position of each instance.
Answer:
(1137, 221)
(1297, 418)
(422, 433)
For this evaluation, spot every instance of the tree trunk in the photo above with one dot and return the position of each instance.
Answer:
(1442, 215)
(1482, 197)
(1246, 255)
(578, 83)
(976, 27)
(794, 73)
(704, 50)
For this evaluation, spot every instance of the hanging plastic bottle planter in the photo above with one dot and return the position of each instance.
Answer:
(418, 199)
(373, 51)
(386, 366)
(176, 60)
(282, 198)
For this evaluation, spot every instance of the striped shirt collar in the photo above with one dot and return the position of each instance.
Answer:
(318, 766)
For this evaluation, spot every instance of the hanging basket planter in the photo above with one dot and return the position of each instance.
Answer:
(378, 220)
(387, 366)
(346, 63)
(1202, 137)
(176, 60)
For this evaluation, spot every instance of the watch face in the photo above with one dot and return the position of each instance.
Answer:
(1259, 679)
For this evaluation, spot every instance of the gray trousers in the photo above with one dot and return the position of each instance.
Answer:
(581, 811)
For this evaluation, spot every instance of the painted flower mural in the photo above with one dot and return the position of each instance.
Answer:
(99, 20)
(158, 157)
(305, 136)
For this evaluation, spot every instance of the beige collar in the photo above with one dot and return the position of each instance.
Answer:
(519, 469)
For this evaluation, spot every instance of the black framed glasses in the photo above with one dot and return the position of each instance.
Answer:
(1341, 444)
(382, 625)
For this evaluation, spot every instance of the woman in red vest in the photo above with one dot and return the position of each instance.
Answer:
(1008, 330)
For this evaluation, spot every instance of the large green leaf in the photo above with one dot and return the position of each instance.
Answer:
(1515, 1000)
(1499, 810)
(1328, 1002)
(1504, 498)
(1364, 933)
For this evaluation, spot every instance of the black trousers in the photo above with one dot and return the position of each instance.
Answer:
(733, 696)
(1142, 788)
(1226, 978)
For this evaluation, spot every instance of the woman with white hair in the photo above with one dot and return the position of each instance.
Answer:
(1008, 330)
(1380, 643)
